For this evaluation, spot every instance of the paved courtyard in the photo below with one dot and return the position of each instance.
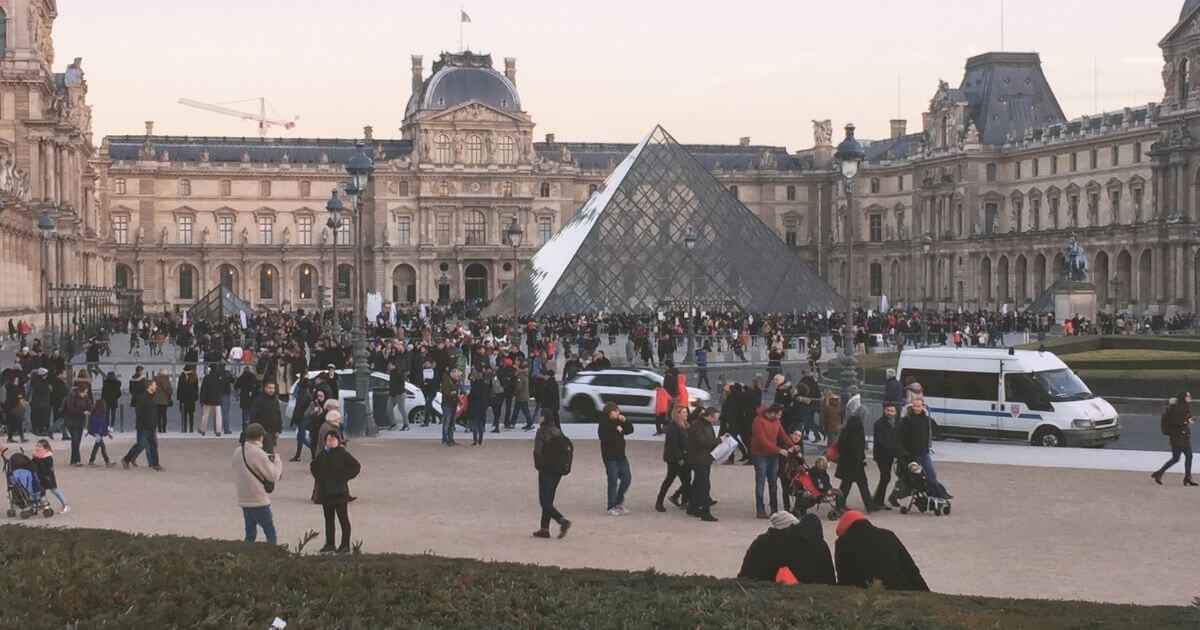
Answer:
(1015, 531)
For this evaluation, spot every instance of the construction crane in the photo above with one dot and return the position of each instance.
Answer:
(261, 117)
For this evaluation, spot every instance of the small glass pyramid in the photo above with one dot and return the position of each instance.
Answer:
(221, 302)
(624, 250)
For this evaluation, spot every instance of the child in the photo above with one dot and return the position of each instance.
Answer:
(819, 474)
(99, 427)
(43, 461)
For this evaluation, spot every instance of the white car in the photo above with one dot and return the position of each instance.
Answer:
(414, 400)
(632, 389)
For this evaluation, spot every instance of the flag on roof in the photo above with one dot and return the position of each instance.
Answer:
(466, 19)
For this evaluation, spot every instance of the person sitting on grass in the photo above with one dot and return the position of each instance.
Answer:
(796, 545)
(866, 554)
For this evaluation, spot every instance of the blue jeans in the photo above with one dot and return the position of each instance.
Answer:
(927, 464)
(76, 438)
(701, 490)
(225, 414)
(547, 487)
(766, 468)
(619, 478)
(301, 440)
(147, 440)
(448, 412)
(245, 418)
(477, 425)
(256, 517)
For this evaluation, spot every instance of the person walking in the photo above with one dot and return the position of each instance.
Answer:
(612, 429)
(552, 455)
(831, 416)
(304, 398)
(187, 391)
(249, 384)
(332, 471)
(211, 390)
(915, 435)
(43, 462)
(162, 398)
(110, 393)
(675, 456)
(266, 412)
(546, 394)
(885, 450)
(893, 389)
(99, 428)
(1177, 423)
(768, 442)
(477, 405)
(397, 378)
(255, 473)
(521, 402)
(702, 366)
(852, 458)
(450, 386)
(147, 434)
(75, 414)
(701, 440)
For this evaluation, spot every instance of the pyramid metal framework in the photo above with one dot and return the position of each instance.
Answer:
(219, 303)
(625, 252)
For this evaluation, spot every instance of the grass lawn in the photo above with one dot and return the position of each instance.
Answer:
(1117, 356)
(1191, 376)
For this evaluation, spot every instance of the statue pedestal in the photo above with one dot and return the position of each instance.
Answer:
(1076, 300)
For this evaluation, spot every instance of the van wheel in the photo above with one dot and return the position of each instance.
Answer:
(1048, 436)
(583, 406)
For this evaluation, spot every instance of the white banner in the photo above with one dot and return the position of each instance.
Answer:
(374, 305)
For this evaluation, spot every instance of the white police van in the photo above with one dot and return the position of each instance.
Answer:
(975, 394)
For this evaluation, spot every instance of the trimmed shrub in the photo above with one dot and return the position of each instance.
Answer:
(57, 578)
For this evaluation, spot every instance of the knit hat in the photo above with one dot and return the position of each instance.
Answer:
(333, 417)
(849, 518)
(853, 390)
(254, 431)
(783, 520)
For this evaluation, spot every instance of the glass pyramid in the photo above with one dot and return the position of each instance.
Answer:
(624, 251)
(221, 302)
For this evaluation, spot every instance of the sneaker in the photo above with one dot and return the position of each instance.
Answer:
(109, 464)
(675, 501)
(404, 428)
(294, 459)
(658, 507)
(563, 527)
(622, 510)
(528, 427)
(91, 463)
(613, 512)
(495, 430)
(541, 533)
(708, 518)
(159, 468)
(66, 509)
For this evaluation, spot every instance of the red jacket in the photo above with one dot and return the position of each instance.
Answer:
(661, 401)
(681, 392)
(768, 436)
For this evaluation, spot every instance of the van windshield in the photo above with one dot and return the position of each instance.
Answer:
(1062, 385)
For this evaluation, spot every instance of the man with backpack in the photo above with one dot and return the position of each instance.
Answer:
(552, 456)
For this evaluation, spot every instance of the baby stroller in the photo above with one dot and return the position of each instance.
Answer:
(913, 483)
(805, 494)
(25, 495)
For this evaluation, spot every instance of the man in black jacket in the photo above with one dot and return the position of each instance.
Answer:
(885, 451)
(865, 554)
(265, 411)
(893, 389)
(612, 430)
(701, 440)
(798, 545)
(545, 393)
(147, 430)
(212, 388)
(248, 384)
(397, 378)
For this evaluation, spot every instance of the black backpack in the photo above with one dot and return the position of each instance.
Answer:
(560, 452)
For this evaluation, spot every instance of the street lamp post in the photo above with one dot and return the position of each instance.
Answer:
(334, 207)
(360, 167)
(849, 155)
(46, 226)
(689, 240)
(514, 238)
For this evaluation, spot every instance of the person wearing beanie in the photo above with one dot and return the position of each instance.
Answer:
(852, 457)
(332, 424)
(332, 471)
(865, 554)
(255, 473)
(796, 544)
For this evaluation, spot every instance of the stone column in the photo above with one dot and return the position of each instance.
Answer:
(1181, 190)
(1181, 267)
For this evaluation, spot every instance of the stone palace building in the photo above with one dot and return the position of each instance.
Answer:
(973, 210)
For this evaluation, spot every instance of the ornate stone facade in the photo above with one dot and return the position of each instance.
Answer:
(45, 164)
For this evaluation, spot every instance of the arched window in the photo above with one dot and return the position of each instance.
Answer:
(228, 277)
(444, 189)
(305, 188)
(507, 189)
(185, 187)
(266, 283)
(945, 132)
(305, 282)
(264, 188)
(343, 281)
(3, 30)
(1185, 78)
(507, 151)
(476, 228)
(441, 150)
(544, 190)
(791, 193)
(119, 186)
(122, 277)
(226, 188)
(876, 279)
(187, 280)
(474, 149)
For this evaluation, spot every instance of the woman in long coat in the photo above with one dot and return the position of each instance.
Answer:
(852, 459)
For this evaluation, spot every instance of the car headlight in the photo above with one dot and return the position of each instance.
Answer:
(1083, 424)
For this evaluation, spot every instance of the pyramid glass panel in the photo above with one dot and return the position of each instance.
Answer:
(624, 250)
(221, 302)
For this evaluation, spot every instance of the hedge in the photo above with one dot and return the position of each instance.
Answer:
(104, 579)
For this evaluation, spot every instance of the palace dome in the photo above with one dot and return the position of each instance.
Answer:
(461, 77)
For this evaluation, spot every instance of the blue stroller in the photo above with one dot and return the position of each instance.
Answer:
(25, 494)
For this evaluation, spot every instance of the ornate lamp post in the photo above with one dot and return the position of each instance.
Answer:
(849, 155)
(689, 240)
(514, 238)
(46, 226)
(360, 167)
(334, 207)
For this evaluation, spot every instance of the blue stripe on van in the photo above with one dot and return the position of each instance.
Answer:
(990, 414)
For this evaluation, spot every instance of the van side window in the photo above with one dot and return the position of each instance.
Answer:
(972, 386)
(1020, 388)
(932, 381)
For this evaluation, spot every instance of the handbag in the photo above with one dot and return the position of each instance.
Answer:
(269, 486)
(831, 453)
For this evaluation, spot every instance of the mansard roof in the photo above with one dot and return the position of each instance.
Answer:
(259, 150)
(599, 155)
(1007, 95)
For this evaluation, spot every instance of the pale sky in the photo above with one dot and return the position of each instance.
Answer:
(708, 70)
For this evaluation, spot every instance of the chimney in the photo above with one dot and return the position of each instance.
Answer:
(549, 138)
(510, 69)
(149, 127)
(744, 141)
(899, 127)
(417, 69)
(368, 133)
